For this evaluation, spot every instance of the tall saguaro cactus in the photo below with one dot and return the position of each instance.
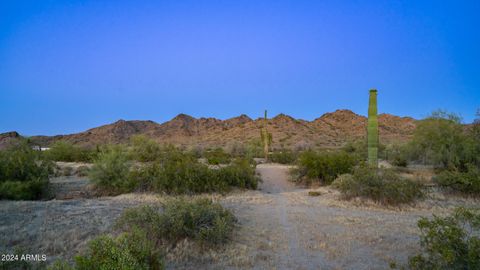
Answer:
(266, 137)
(372, 129)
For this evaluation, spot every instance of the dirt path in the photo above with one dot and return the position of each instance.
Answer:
(275, 181)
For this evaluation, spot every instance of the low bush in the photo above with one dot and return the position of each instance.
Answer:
(185, 175)
(283, 156)
(65, 151)
(217, 156)
(129, 251)
(23, 173)
(200, 220)
(23, 190)
(111, 171)
(467, 182)
(177, 177)
(239, 174)
(381, 185)
(451, 242)
(322, 167)
(144, 149)
(398, 155)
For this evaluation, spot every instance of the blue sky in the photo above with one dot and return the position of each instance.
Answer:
(66, 66)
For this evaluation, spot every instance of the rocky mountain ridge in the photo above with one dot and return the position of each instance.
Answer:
(331, 130)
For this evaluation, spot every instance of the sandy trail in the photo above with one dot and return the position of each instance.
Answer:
(280, 226)
(275, 181)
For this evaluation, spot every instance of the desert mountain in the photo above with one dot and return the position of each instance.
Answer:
(331, 130)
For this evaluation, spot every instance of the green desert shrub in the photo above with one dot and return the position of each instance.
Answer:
(185, 175)
(239, 174)
(237, 149)
(398, 155)
(144, 149)
(111, 171)
(322, 167)
(217, 156)
(178, 177)
(467, 182)
(199, 220)
(451, 242)
(129, 251)
(380, 185)
(254, 148)
(66, 151)
(283, 156)
(23, 190)
(23, 173)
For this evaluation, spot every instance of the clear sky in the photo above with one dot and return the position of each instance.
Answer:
(66, 66)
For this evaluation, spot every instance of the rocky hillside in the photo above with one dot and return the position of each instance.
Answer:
(7, 138)
(331, 130)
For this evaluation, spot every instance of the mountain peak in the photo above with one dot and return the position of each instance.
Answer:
(9, 134)
(241, 118)
(183, 117)
(238, 120)
(283, 116)
(342, 114)
(119, 121)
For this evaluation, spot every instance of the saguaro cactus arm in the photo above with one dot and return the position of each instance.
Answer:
(372, 129)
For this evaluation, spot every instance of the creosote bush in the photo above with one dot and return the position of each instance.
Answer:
(466, 182)
(23, 173)
(241, 174)
(66, 151)
(177, 177)
(322, 167)
(185, 175)
(144, 149)
(397, 154)
(217, 156)
(129, 251)
(380, 185)
(199, 220)
(111, 171)
(284, 156)
(451, 242)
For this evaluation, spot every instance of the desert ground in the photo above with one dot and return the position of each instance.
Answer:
(280, 225)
